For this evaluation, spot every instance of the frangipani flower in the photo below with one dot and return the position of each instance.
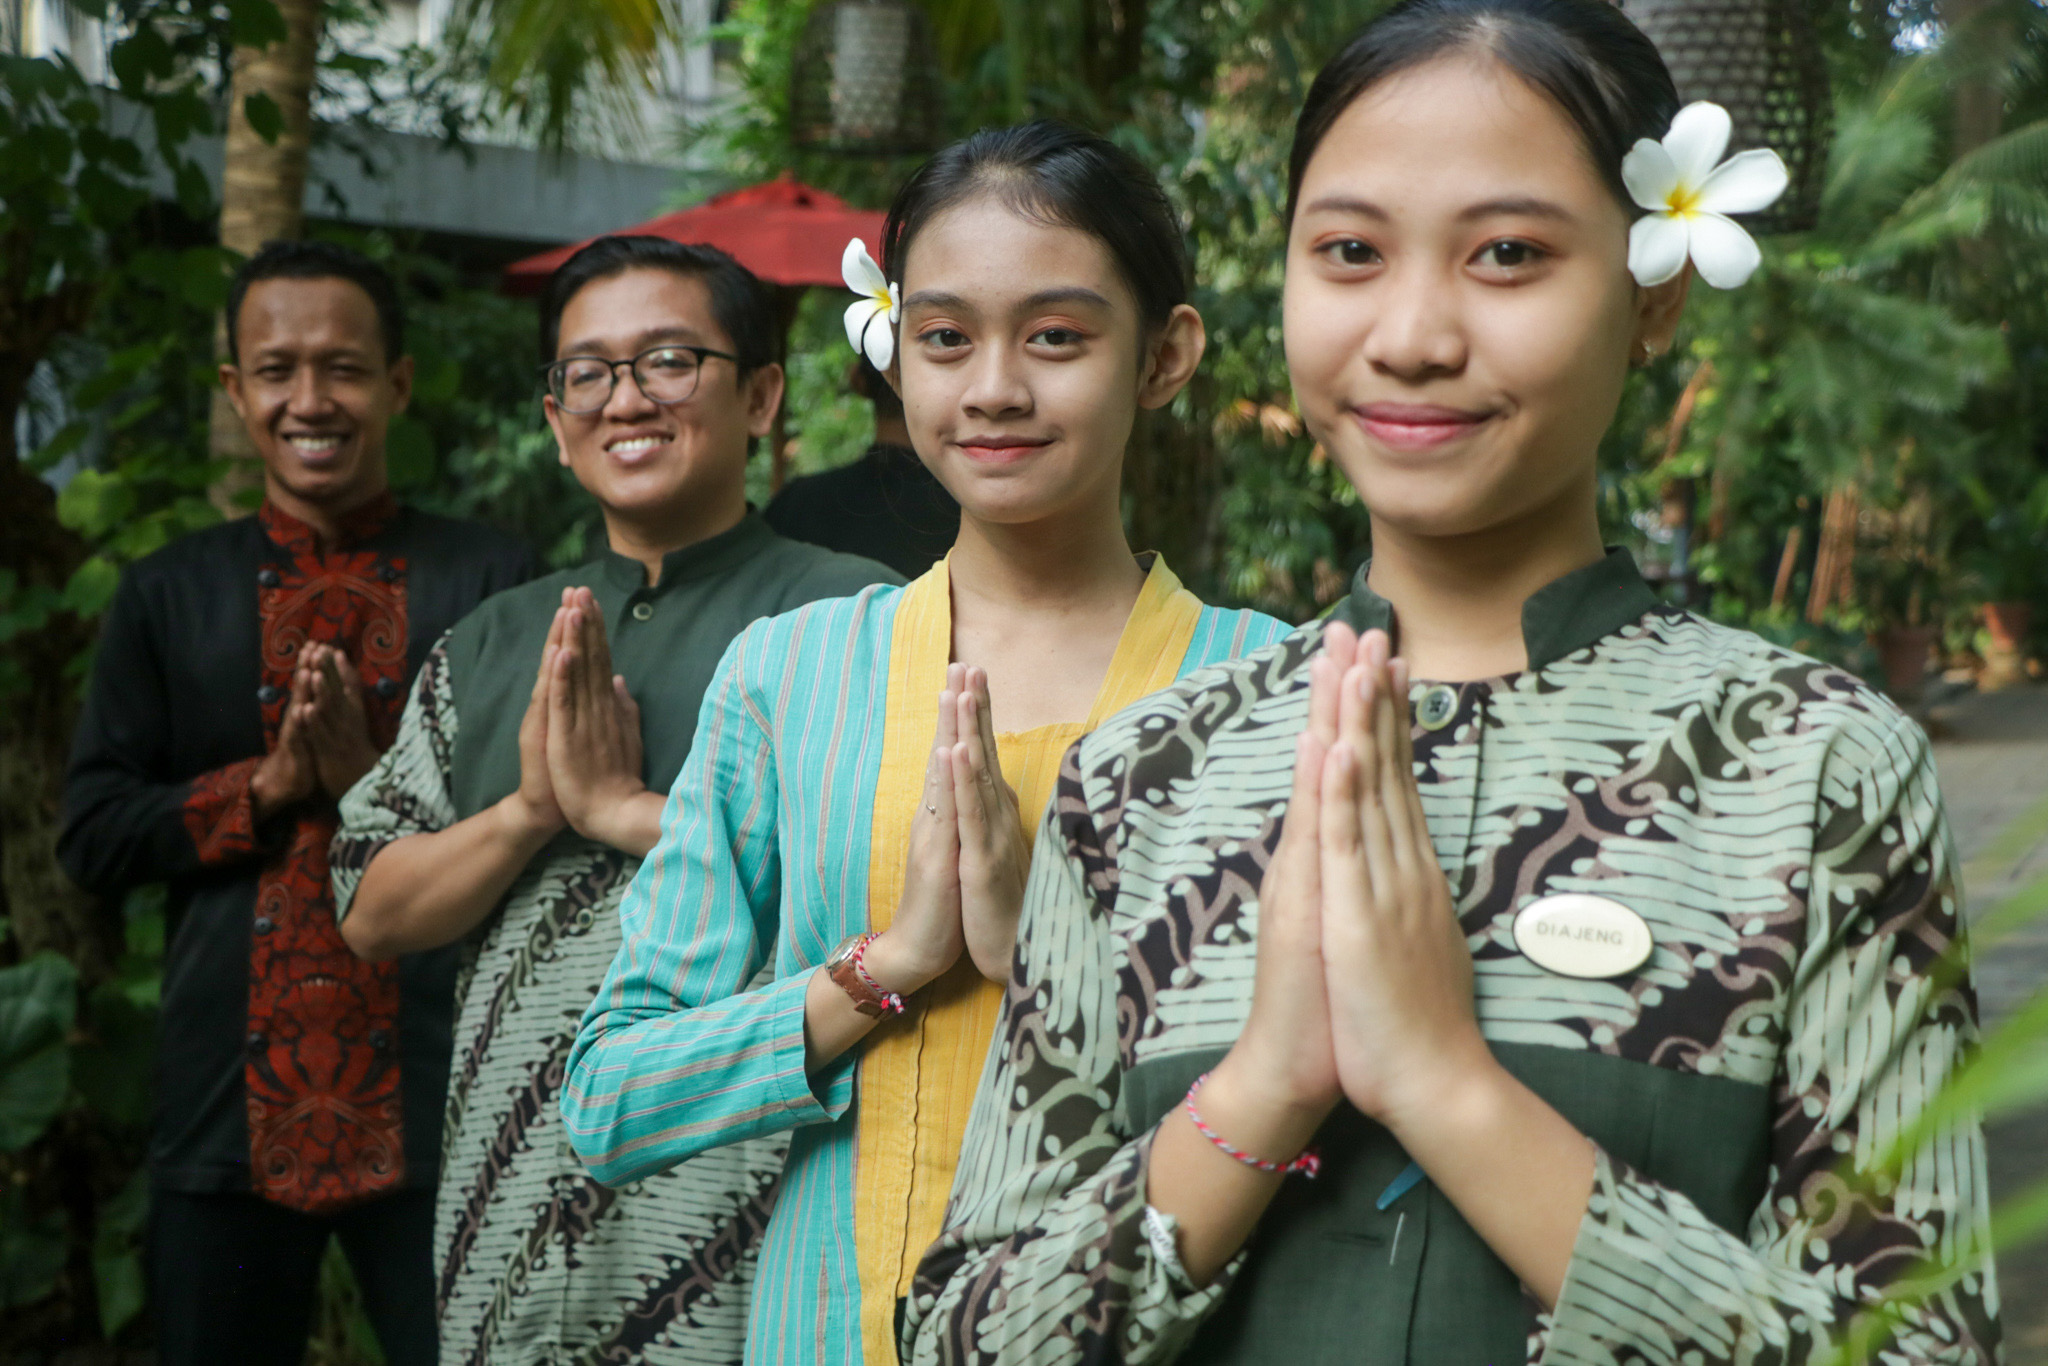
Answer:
(1689, 199)
(870, 319)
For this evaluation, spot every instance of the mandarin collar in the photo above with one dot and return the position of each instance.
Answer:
(352, 528)
(735, 545)
(1564, 615)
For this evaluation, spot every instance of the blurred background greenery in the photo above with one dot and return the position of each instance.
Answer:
(1847, 455)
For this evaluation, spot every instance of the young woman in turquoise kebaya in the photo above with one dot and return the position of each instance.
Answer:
(1521, 968)
(855, 814)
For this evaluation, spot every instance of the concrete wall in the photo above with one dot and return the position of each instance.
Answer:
(509, 194)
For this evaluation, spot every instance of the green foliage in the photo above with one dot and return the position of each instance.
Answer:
(1877, 351)
(32, 1247)
(38, 1002)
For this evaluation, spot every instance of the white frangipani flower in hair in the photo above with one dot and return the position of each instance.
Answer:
(1689, 192)
(870, 319)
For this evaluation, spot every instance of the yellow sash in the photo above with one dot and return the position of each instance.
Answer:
(918, 1074)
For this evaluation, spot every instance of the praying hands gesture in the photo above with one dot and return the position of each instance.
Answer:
(1358, 942)
(579, 766)
(963, 883)
(323, 744)
(579, 741)
(1363, 993)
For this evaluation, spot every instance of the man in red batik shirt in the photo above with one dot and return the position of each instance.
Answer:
(247, 676)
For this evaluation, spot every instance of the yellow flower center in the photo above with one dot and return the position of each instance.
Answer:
(1684, 201)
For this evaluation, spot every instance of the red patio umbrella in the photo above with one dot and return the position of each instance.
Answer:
(786, 232)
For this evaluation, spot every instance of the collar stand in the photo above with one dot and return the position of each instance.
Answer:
(1564, 615)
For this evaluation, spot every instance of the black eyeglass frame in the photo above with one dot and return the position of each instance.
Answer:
(547, 374)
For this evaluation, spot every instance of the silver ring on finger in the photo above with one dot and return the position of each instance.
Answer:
(930, 809)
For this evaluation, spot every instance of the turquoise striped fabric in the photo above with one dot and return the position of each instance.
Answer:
(763, 862)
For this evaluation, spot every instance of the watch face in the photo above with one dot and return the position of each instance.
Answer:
(842, 953)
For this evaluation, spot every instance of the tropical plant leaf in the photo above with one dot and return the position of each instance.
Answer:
(117, 1253)
(31, 1250)
(38, 1001)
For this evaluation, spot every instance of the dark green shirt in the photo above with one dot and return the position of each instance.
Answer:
(666, 640)
(534, 1260)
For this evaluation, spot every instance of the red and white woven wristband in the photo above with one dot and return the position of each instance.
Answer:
(1308, 1164)
(891, 1001)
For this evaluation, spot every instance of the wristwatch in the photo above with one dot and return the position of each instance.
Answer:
(846, 971)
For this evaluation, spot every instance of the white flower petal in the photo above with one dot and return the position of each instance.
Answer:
(880, 341)
(1698, 137)
(1745, 183)
(859, 270)
(895, 302)
(1650, 174)
(1656, 248)
(1725, 254)
(858, 314)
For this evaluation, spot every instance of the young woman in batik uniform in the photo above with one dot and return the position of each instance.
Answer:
(1598, 954)
(844, 819)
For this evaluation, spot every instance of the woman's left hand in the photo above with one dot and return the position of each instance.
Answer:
(993, 856)
(1396, 963)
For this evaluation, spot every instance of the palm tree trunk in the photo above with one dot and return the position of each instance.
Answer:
(263, 188)
(1979, 103)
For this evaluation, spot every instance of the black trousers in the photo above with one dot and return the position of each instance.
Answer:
(233, 1276)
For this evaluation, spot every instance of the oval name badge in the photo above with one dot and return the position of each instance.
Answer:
(1574, 934)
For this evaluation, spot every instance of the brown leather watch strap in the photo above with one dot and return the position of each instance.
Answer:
(843, 968)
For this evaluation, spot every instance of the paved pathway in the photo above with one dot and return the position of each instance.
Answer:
(1992, 750)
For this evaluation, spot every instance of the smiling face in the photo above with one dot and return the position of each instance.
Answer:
(658, 465)
(315, 390)
(1024, 360)
(1459, 316)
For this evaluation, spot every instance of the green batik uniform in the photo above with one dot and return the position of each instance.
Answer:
(1774, 823)
(536, 1261)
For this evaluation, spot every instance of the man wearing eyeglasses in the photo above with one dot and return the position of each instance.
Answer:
(527, 782)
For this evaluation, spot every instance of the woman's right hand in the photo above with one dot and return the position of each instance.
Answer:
(1283, 1066)
(926, 937)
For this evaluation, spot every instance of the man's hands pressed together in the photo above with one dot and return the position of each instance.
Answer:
(579, 766)
(592, 734)
(323, 745)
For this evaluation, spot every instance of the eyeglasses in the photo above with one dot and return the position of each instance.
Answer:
(667, 374)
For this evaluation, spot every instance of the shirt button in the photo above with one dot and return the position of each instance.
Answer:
(1439, 705)
(389, 573)
(643, 611)
(269, 693)
(387, 688)
(255, 1042)
(269, 578)
(263, 924)
(379, 1040)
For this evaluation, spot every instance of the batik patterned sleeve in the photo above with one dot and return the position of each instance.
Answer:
(675, 1055)
(1045, 1257)
(407, 793)
(1881, 1016)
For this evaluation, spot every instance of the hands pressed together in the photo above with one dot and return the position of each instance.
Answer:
(1363, 989)
(963, 884)
(323, 745)
(579, 742)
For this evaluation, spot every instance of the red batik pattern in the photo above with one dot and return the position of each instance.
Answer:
(218, 813)
(322, 1076)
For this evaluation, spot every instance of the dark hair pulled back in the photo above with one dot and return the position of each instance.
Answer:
(1061, 176)
(1585, 55)
(740, 303)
